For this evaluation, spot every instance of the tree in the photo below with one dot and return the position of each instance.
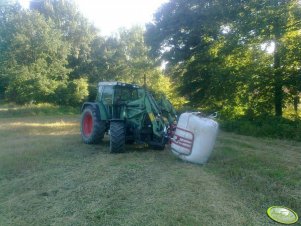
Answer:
(270, 21)
(33, 57)
(217, 49)
(180, 29)
(124, 57)
(7, 11)
(75, 29)
(187, 35)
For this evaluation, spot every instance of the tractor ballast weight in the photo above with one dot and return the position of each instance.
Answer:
(128, 113)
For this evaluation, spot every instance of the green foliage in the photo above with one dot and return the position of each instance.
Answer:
(75, 29)
(215, 50)
(72, 93)
(78, 91)
(274, 127)
(14, 111)
(98, 65)
(7, 12)
(92, 90)
(125, 58)
(216, 54)
(161, 84)
(33, 58)
(51, 53)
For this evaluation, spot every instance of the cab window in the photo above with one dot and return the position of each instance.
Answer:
(107, 95)
(125, 94)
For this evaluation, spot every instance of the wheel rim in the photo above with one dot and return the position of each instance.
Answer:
(87, 124)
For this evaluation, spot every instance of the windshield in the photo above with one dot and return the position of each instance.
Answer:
(125, 94)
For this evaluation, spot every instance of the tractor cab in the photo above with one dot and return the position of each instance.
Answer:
(115, 96)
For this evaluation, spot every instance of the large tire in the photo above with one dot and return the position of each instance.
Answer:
(92, 127)
(117, 136)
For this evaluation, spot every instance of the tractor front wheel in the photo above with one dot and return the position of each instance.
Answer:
(117, 136)
(92, 128)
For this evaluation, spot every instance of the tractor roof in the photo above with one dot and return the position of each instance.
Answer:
(117, 84)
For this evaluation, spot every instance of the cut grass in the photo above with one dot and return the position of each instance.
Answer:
(49, 177)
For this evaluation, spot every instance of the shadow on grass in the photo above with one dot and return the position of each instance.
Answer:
(129, 148)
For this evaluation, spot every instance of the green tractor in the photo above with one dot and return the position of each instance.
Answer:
(129, 114)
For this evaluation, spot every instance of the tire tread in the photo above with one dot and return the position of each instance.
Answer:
(117, 136)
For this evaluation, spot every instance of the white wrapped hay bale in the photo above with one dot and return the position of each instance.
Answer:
(194, 137)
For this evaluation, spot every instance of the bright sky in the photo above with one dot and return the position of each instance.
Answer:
(109, 15)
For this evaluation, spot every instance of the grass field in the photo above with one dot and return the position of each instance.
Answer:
(49, 177)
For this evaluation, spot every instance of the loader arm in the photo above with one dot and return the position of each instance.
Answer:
(155, 115)
(167, 109)
(137, 110)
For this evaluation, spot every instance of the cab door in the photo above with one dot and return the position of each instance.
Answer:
(107, 99)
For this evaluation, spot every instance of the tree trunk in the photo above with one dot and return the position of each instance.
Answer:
(296, 102)
(278, 93)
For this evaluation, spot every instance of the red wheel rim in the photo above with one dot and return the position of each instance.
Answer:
(87, 124)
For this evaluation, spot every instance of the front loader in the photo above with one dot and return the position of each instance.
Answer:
(129, 114)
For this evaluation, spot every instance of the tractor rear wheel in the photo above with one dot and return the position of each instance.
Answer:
(92, 127)
(117, 136)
